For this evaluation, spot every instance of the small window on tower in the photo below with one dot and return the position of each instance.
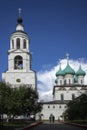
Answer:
(12, 44)
(24, 44)
(18, 43)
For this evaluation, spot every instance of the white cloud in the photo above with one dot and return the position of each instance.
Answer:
(46, 78)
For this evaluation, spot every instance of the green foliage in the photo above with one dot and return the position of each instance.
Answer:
(18, 101)
(80, 122)
(5, 91)
(77, 109)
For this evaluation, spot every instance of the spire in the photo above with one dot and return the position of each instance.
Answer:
(67, 57)
(60, 72)
(19, 20)
(19, 26)
(68, 69)
(19, 12)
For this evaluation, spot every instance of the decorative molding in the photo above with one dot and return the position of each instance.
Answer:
(73, 88)
(62, 88)
(83, 88)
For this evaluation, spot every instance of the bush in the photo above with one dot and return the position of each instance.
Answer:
(80, 121)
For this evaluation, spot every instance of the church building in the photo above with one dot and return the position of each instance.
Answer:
(68, 85)
(19, 59)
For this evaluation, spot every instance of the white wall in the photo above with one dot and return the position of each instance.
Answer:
(25, 78)
(53, 109)
(67, 93)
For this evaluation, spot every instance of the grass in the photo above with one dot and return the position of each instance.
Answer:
(14, 125)
(81, 122)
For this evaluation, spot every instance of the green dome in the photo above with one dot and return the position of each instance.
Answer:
(60, 72)
(80, 72)
(69, 70)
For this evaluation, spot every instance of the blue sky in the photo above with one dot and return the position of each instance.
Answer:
(55, 27)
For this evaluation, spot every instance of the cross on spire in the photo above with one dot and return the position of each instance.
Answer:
(67, 56)
(79, 62)
(19, 10)
(19, 20)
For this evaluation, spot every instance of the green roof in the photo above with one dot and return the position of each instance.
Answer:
(69, 70)
(60, 72)
(80, 72)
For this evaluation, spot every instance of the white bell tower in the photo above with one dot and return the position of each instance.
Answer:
(19, 58)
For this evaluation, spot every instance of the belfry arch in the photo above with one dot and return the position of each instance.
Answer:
(18, 43)
(24, 44)
(18, 62)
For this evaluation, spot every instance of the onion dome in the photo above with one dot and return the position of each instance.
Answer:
(69, 70)
(20, 20)
(75, 79)
(80, 72)
(19, 26)
(60, 72)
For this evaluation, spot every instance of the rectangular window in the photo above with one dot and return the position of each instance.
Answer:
(48, 106)
(62, 97)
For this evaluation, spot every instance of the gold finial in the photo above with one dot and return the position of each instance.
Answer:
(19, 12)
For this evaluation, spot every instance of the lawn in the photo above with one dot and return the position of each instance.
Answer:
(14, 125)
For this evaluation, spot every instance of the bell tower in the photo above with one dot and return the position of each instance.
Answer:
(19, 58)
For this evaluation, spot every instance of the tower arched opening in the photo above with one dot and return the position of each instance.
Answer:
(24, 44)
(18, 62)
(18, 43)
(12, 44)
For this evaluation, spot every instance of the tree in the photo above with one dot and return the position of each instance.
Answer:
(77, 108)
(29, 100)
(5, 91)
(18, 101)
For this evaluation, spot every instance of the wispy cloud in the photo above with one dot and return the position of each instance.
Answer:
(46, 78)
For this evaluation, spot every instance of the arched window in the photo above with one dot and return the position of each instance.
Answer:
(62, 97)
(12, 44)
(48, 106)
(18, 62)
(60, 82)
(59, 106)
(73, 96)
(18, 43)
(24, 44)
(81, 81)
(65, 82)
(53, 106)
(69, 81)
